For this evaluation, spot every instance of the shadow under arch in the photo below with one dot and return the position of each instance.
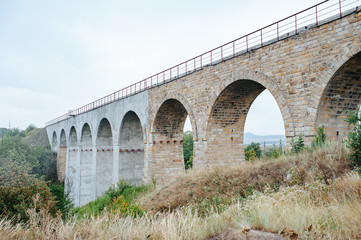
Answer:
(341, 94)
(131, 148)
(54, 141)
(267, 83)
(226, 121)
(104, 158)
(86, 160)
(166, 158)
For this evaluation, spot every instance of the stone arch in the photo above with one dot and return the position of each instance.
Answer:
(341, 93)
(72, 164)
(131, 148)
(179, 97)
(86, 136)
(54, 141)
(167, 134)
(104, 169)
(63, 142)
(225, 125)
(267, 83)
(73, 140)
(86, 159)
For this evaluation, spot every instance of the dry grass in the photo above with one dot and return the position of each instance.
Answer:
(227, 183)
(305, 205)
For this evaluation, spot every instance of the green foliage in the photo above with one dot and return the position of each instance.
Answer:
(188, 149)
(63, 203)
(16, 149)
(274, 151)
(18, 189)
(119, 198)
(252, 151)
(353, 140)
(320, 138)
(250, 155)
(297, 146)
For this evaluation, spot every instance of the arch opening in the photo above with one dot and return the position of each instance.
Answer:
(226, 123)
(86, 157)
(61, 158)
(341, 94)
(104, 163)
(167, 132)
(131, 149)
(72, 164)
(264, 127)
(63, 139)
(54, 141)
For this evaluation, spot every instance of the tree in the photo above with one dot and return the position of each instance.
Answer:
(320, 138)
(188, 149)
(353, 140)
(297, 146)
(252, 151)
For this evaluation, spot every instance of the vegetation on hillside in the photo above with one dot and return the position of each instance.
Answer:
(28, 175)
(311, 192)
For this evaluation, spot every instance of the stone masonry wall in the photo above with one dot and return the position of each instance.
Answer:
(295, 70)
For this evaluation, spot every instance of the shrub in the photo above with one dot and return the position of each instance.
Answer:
(63, 203)
(320, 138)
(256, 148)
(117, 197)
(188, 149)
(18, 188)
(353, 140)
(297, 146)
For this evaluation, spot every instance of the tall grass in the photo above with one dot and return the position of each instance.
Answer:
(318, 197)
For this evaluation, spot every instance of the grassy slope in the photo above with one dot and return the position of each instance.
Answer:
(224, 183)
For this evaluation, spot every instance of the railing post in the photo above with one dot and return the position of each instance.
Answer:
(316, 18)
(261, 39)
(339, 4)
(278, 33)
(247, 42)
(177, 71)
(211, 57)
(163, 77)
(186, 68)
(296, 24)
(222, 53)
(201, 61)
(234, 53)
(194, 64)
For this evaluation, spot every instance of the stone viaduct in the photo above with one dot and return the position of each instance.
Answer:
(313, 73)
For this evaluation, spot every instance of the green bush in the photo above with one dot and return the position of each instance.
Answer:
(353, 140)
(252, 151)
(63, 203)
(320, 138)
(297, 146)
(18, 189)
(188, 149)
(119, 198)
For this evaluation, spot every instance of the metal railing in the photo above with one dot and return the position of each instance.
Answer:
(312, 16)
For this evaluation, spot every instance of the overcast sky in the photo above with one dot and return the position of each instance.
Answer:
(60, 55)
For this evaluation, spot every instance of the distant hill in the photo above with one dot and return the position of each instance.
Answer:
(262, 139)
(37, 137)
